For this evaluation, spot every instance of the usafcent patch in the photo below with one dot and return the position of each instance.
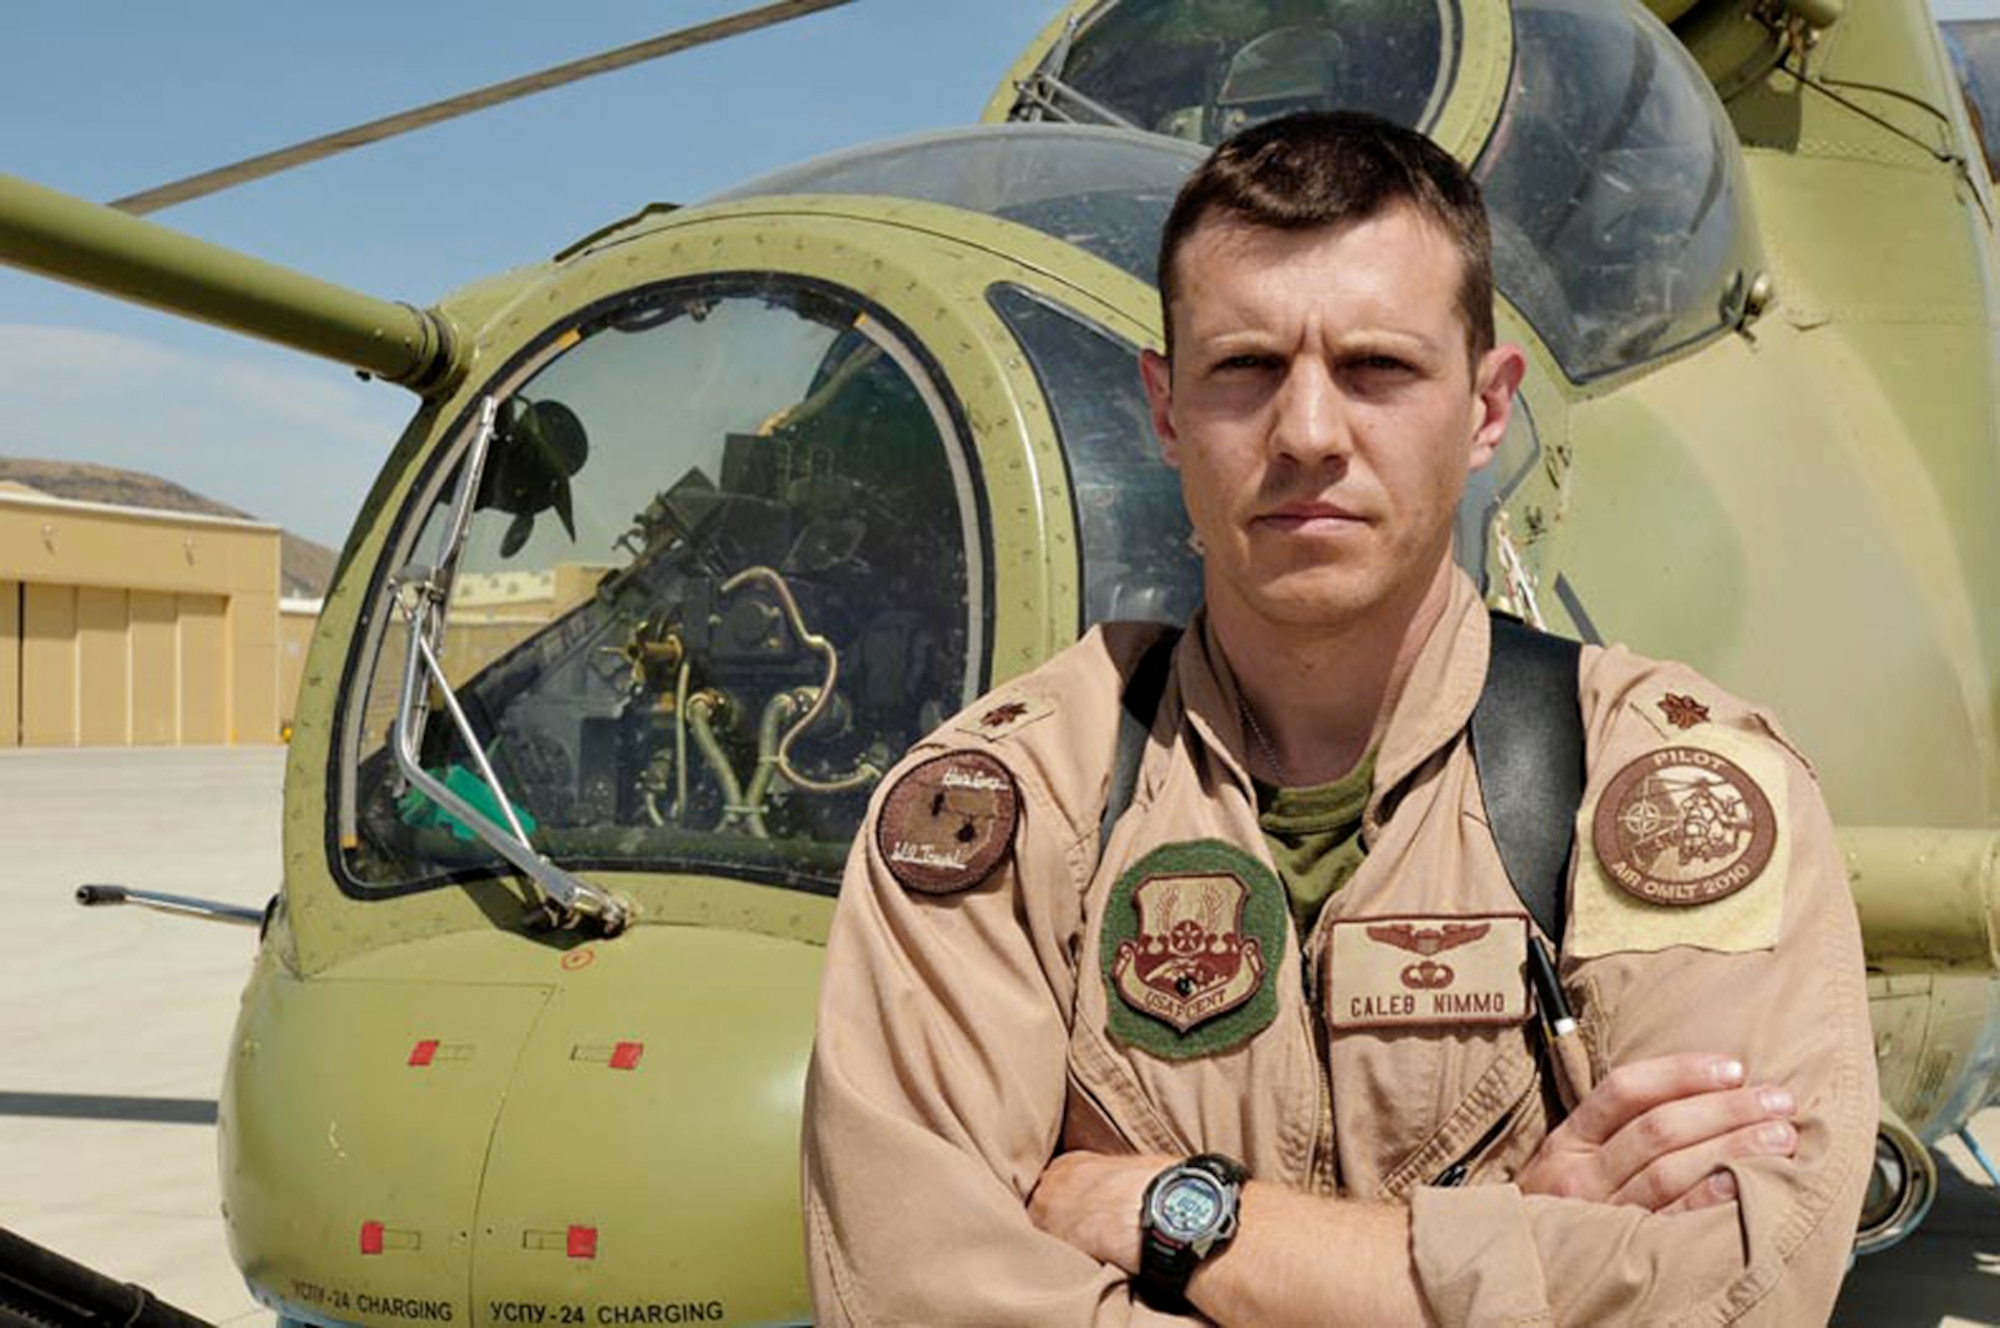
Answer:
(947, 823)
(1685, 845)
(1192, 932)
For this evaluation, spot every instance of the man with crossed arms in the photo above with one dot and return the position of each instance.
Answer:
(1269, 1056)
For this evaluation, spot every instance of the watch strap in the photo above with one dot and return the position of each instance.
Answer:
(1222, 1166)
(1164, 1270)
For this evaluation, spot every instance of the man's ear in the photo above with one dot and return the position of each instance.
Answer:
(1157, 374)
(1494, 385)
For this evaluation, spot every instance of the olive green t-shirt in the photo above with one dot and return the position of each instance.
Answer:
(1315, 836)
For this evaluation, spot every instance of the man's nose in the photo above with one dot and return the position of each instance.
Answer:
(1310, 425)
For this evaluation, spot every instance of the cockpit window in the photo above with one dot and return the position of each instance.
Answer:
(1203, 69)
(1974, 47)
(1138, 557)
(1621, 227)
(1107, 192)
(723, 568)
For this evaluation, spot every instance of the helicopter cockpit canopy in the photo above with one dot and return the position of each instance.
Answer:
(1622, 230)
(1621, 224)
(1108, 192)
(723, 565)
(1200, 70)
(723, 553)
(1105, 191)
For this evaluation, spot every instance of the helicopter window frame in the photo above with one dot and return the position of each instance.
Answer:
(1061, 413)
(897, 340)
(1069, 182)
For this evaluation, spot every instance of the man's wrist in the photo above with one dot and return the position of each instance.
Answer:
(1190, 1210)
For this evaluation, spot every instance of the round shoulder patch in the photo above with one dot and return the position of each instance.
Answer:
(1683, 826)
(948, 822)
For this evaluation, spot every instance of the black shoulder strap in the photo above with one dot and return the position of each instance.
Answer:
(1136, 708)
(1527, 743)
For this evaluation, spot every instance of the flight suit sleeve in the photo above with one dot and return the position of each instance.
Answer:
(1771, 972)
(937, 1088)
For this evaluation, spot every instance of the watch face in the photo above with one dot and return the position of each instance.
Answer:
(1188, 1206)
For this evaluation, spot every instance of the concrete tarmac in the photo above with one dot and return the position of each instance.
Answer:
(117, 1015)
(117, 1026)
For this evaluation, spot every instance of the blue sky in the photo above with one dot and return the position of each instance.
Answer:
(105, 99)
(102, 100)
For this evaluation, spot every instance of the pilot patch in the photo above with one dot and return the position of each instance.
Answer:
(1191, 934)
(948, 822)
(1412, 972)
(1686, 845)
(1683, 826)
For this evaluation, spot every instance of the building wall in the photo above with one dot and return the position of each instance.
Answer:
(10, 663)
(125, 626)
(103, 667)
(48, 665)
(156, 668)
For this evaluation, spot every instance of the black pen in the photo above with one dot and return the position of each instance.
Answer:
(1572, 1062)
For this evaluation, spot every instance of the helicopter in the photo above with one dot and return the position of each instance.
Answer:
(702, 521)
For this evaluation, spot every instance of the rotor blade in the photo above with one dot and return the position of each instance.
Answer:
(374, 131)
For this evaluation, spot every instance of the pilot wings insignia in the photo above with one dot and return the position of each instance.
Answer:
(1428, 974)
(1427, 941)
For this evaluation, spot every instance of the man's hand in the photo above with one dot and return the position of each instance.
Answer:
(1655, 1134)
(1092, 1201)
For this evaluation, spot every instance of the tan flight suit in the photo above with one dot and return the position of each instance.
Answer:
(972, 1029)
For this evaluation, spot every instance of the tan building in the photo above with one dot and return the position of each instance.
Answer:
(123, 625)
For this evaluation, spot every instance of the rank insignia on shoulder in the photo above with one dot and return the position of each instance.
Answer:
(1003, 715)
(1677, 838)
(1683, 712)
(1191, 934)
(948, 822)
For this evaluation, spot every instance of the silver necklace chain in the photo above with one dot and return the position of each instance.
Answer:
(1263, 743)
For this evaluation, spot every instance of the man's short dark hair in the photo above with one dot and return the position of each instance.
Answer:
(1334, 168)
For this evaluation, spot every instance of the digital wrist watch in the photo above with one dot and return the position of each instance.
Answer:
(1189, 1211)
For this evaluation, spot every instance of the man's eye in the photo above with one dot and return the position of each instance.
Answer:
(1243, 363)
(1382, 364)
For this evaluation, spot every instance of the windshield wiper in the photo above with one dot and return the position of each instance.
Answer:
(422, 591)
